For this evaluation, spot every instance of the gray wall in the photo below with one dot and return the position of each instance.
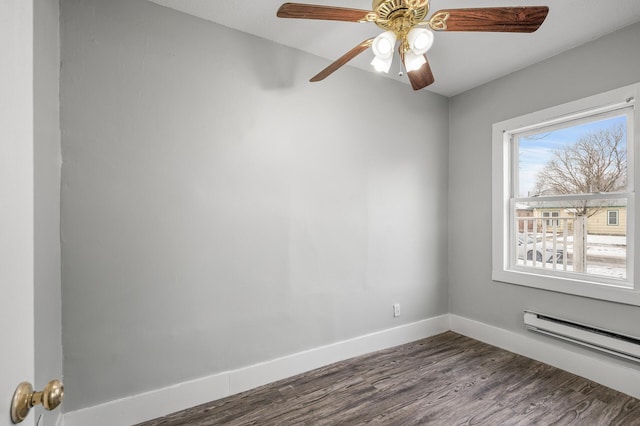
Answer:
(598, 66)
(48, 323)
(218, 210)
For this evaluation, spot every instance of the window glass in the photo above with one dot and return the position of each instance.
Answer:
(564, 172)
(583, 158)
(571, 243)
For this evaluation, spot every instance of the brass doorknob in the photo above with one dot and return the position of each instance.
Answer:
(24, 398)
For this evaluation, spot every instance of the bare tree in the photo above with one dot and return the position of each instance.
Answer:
(596, 163)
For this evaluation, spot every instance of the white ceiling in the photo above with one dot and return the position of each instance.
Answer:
(460, 61)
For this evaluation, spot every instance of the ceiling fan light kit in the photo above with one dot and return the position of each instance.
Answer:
(382, 64)
(420, 40)
(413, 61)
(383, 47)
(404, 21)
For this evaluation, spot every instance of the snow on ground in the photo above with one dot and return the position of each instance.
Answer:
(600, 245)
(616, 272)
(607, 271)
(615, 240)
(606, 251)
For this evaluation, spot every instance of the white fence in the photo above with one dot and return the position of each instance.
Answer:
(543, 242)
(562, 244)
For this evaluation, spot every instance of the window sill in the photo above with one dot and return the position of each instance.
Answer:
(614, 293)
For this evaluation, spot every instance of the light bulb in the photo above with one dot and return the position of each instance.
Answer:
(413, 62)
(384, 47)
(382, 64)
(420, 40)
(384, 44)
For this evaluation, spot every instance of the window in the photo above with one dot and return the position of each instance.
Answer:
(564, 200)
(552, 214)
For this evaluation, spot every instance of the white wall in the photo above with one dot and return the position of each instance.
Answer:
(218, 210)
(47, 161)
(596, 67)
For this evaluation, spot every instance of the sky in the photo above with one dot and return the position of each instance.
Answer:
(536, 150)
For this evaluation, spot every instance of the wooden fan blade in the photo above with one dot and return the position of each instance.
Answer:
(421, 77)
(330, 13)
(342, 60)
(524, 19)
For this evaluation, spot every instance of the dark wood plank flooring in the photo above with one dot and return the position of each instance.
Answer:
(447, 379)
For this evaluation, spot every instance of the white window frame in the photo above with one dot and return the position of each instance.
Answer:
(627, 292)
(617, 216)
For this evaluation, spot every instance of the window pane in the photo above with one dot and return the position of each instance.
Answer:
(586, 158)
(558, 244)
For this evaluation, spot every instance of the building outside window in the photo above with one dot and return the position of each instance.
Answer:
(555, 213)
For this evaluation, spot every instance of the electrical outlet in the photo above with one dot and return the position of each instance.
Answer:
(396, 309)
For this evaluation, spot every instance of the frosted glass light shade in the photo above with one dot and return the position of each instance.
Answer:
(413, 62)
(382, 64)
(420, 40)
(384, 44)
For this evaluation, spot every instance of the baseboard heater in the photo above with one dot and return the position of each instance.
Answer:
(611, 342)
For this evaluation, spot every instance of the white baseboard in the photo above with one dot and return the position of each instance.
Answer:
(148, 405)
(615, 376)
(160, 402)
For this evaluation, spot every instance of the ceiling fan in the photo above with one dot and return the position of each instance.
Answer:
(404, 21)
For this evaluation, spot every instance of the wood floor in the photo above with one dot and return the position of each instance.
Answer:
(447, 379)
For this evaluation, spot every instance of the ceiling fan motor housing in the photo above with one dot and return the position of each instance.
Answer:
(400, 15)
